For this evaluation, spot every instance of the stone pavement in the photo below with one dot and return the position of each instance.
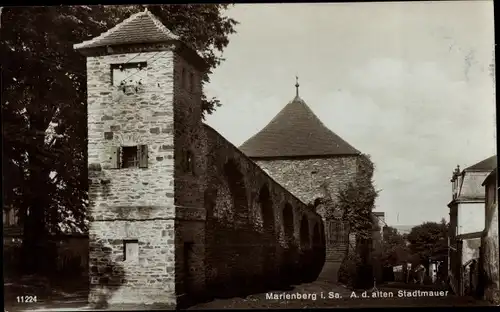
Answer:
(329, 272)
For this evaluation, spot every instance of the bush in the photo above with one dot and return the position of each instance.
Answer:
(51, 263)
(348, 271)
(355, 273)
(11, 256)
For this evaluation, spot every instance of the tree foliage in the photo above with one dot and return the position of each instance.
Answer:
(357, 200)
(429, 239)
(394, 248)
(44, 101)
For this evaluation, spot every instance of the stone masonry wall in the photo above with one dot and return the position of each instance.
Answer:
(490, 246)
(207, 220)
(131, 203)
(306, 179)
(246, 238)
(189, 186)
(117, 118)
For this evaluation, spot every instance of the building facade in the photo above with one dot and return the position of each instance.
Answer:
(467, 220)
(177, 212)
(489, 241)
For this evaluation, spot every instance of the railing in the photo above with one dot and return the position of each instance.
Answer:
(337, 232)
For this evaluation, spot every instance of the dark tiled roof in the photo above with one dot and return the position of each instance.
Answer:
(142, 27)
(471, 236)
(485, 165)
(296, 131)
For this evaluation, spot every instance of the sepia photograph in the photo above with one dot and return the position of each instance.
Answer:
(249, 156)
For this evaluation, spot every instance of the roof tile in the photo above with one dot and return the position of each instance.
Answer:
(296, 131)
(485, 165)
(142, 27)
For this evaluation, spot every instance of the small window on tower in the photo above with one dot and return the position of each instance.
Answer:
(128, 73)
(189, 162)
(131, 250)
(130, 157)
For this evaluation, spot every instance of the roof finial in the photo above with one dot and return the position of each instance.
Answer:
(146, 9)
(297, 86)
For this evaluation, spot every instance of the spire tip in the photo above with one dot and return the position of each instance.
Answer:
(297, 86)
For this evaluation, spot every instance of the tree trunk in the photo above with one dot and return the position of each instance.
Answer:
(34, 232)
(33, 239)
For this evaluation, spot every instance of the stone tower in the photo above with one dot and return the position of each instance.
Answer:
(298, 151)
(144, 154)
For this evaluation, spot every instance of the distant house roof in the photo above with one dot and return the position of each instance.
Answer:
(379, 215)
(485, 165)
(403, 229)
(142, 27)
(296, 131)
(491, 177)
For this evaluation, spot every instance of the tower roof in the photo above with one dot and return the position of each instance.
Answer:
(142, 27)
(485, 165)
(296, 131)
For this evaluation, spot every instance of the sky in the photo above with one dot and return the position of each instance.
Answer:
(408, 83)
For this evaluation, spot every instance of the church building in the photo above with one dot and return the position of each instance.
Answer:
(299, 152)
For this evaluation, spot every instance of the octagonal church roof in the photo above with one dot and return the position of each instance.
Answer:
(296, 132)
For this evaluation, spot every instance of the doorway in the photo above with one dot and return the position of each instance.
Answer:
(188, 265)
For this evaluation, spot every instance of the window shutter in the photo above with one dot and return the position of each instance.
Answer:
(143, 156)
(115, 157)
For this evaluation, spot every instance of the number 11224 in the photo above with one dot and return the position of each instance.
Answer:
(26, 299)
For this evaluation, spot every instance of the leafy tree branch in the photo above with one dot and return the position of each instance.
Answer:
(44, 103)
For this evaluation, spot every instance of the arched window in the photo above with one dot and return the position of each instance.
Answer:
(304, 233)
(210, 197)
(236, 184)
(267, 212)
(288, 223)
